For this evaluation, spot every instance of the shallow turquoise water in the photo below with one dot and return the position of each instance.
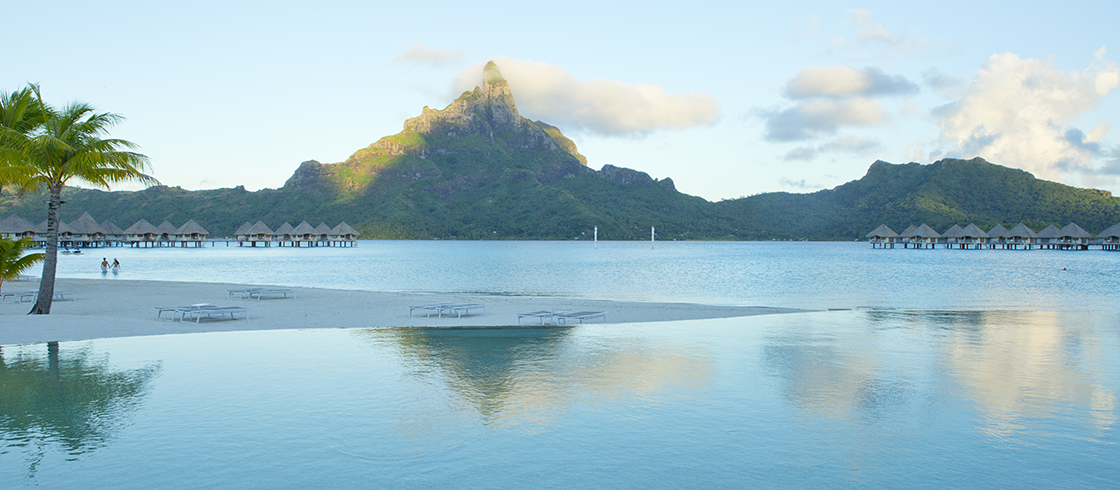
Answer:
(884, 399)
(790, 274)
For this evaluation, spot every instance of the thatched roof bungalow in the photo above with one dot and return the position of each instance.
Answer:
(86, 229)
(322, 232)
(191, 231)
(1110, 237)
(1074, 236)
(922, 236)
(882, 236)
(15, 227)
(284, 233)
(141, 231)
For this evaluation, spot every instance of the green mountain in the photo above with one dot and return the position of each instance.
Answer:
(478, 170)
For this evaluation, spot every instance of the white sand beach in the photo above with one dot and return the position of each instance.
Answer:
(123, 308)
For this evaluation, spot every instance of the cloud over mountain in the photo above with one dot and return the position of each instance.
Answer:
(607, 107)
(845, 81)
(1018, 112)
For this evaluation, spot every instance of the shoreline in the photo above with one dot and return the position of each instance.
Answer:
(124, 308)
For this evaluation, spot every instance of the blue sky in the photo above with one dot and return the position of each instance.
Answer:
(728, 99)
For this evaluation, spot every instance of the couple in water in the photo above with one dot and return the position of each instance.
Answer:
(116, 266)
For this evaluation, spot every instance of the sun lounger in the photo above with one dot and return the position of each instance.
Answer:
(210, 312)
(428, 308)
(460, 308)
(260, 293)
(179, 310)
(542, 315)
(31, 296)
(581, 316)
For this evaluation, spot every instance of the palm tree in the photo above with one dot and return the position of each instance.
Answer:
(12, 260)
(63, 145)
(19, 116)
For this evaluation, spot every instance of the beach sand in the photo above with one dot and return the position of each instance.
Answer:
(123, 308)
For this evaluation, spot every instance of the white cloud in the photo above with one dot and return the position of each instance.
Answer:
(419, 53)
(872, 33)
(847, 144)
(1017, 112)
(822, 117)
(550, 93)
(843, 81)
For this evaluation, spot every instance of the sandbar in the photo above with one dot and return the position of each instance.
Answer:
(123, 308)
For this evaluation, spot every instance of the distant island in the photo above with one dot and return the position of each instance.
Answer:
(479, 170)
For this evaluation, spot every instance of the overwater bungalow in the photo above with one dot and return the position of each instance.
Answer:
(191, 232)
(1073, 237)
(87, 233)
(259, 232)
(1110, 238)
(1021, 236)
(304, 233)
(949, 237)
(921, 237)
(284, 234)
(343, 234)
(323, 233)
(242, 231)
(972, 237)
(1048, 237)
(167, 231)
(114, 235)
(142, 234)
(15, 227)
(997, 236)
(65, 233)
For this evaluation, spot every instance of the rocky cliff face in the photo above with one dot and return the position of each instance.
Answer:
(487, 110)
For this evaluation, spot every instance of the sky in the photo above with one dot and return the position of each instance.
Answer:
(728, 99)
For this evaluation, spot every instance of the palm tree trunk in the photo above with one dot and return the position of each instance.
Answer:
(50, 262)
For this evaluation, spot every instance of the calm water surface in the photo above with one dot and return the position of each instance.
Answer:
(982, 369)
(804, 275)
(816, 400)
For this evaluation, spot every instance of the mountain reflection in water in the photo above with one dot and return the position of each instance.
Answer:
(1017, 370)
(70, 399)
(514, 376)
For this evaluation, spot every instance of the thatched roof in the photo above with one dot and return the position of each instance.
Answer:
(1073, 231)
(192, 228)
(997, 231)
(111, 228)
(142, 227)
(883, 231)
(923, 231)
(167, 227)
(303, 229)
(322, 229)
(284, 229)
(62, 227)
(344, 229)
(973, 231)
(908, 230)
(86, 225)
(1021, 230)
(16, 225)
(1111, 231)
(1050, 232)
(259, 229)
(953, 232)
(243, 229)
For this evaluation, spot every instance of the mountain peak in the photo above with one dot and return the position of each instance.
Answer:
(491, 73)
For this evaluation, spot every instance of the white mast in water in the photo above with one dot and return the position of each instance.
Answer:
(651, 237)
(596, 236)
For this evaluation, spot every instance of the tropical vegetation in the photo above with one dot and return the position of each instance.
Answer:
(14, 259)
(43, 148)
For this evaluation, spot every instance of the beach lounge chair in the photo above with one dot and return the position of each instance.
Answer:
(31, 296)
(428, 308)
(542, 315)
(581, 316)
(178, 310)
(262, 292)
(460, 308)
(212, 311)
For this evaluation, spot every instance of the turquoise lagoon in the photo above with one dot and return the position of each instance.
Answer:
(978, 369)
